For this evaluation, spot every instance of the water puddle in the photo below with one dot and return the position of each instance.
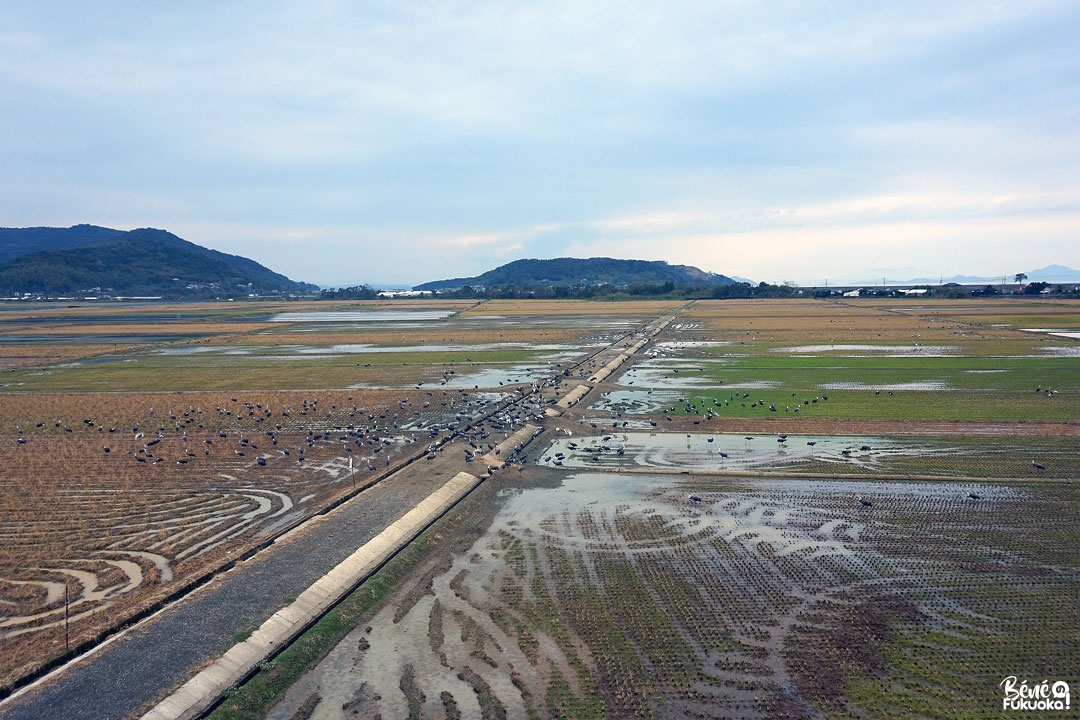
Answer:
(677, 346)
(1062, 351)
(495, 377)
(721, 451)
(639, 402)
(645, 402)
(1070, 334)
(353, 316)
(873, 350)
(562, 321)
(302, 351)
(365, 348)
(785, 542)
(925, 385)
(668, 375)
(97, 361)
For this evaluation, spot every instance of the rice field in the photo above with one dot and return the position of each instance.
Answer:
(646, 596)
(794, 509)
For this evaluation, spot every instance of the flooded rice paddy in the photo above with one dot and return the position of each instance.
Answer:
(668, 373)
(299, 352)
(490, 377)
(1070, 334)
(1059, 351)
(680, 598)
(647, 402)
(625, 569)
(922, 386)
(855, 350)
(631, 449)
(728, 452)
(361, 316)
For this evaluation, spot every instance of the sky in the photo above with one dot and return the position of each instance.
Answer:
(399, 142)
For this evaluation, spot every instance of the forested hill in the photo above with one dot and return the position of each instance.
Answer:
(583, 272)
(86, 259)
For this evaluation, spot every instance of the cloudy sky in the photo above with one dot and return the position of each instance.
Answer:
(382, 142)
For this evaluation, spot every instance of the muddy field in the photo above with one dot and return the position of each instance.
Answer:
(140, 479)
(683, 542)
(625, 596)
(767, 566)
(111, 504)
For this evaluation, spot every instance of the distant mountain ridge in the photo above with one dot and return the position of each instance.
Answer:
(588, 272)
(1049, 274)
(16, 242)
(144, 262)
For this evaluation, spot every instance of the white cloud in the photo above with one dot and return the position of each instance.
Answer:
(353, 142)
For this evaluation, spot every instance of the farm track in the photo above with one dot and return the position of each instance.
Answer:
(737, 548)
(131, 671)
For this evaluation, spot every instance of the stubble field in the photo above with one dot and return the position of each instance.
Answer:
(908, 543)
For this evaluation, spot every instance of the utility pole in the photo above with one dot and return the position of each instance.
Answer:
(67, 605)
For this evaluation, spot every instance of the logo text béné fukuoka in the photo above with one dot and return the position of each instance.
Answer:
(1047, 695)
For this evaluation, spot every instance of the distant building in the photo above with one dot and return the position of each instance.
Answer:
(405, 293)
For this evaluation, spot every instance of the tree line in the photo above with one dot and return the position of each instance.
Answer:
(671, 291)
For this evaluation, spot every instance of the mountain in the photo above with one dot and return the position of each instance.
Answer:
(15, 242)
(1048, 274)
(588, 272)
(1053, 273)
(85, 258)
(957, 279)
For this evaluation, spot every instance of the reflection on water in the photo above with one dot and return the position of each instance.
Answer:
(1071, 334)
(644, 402)
(729, 452)
(929, 385)
(753, 557)
(362, 316)
(489, 377)
(915, 349)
